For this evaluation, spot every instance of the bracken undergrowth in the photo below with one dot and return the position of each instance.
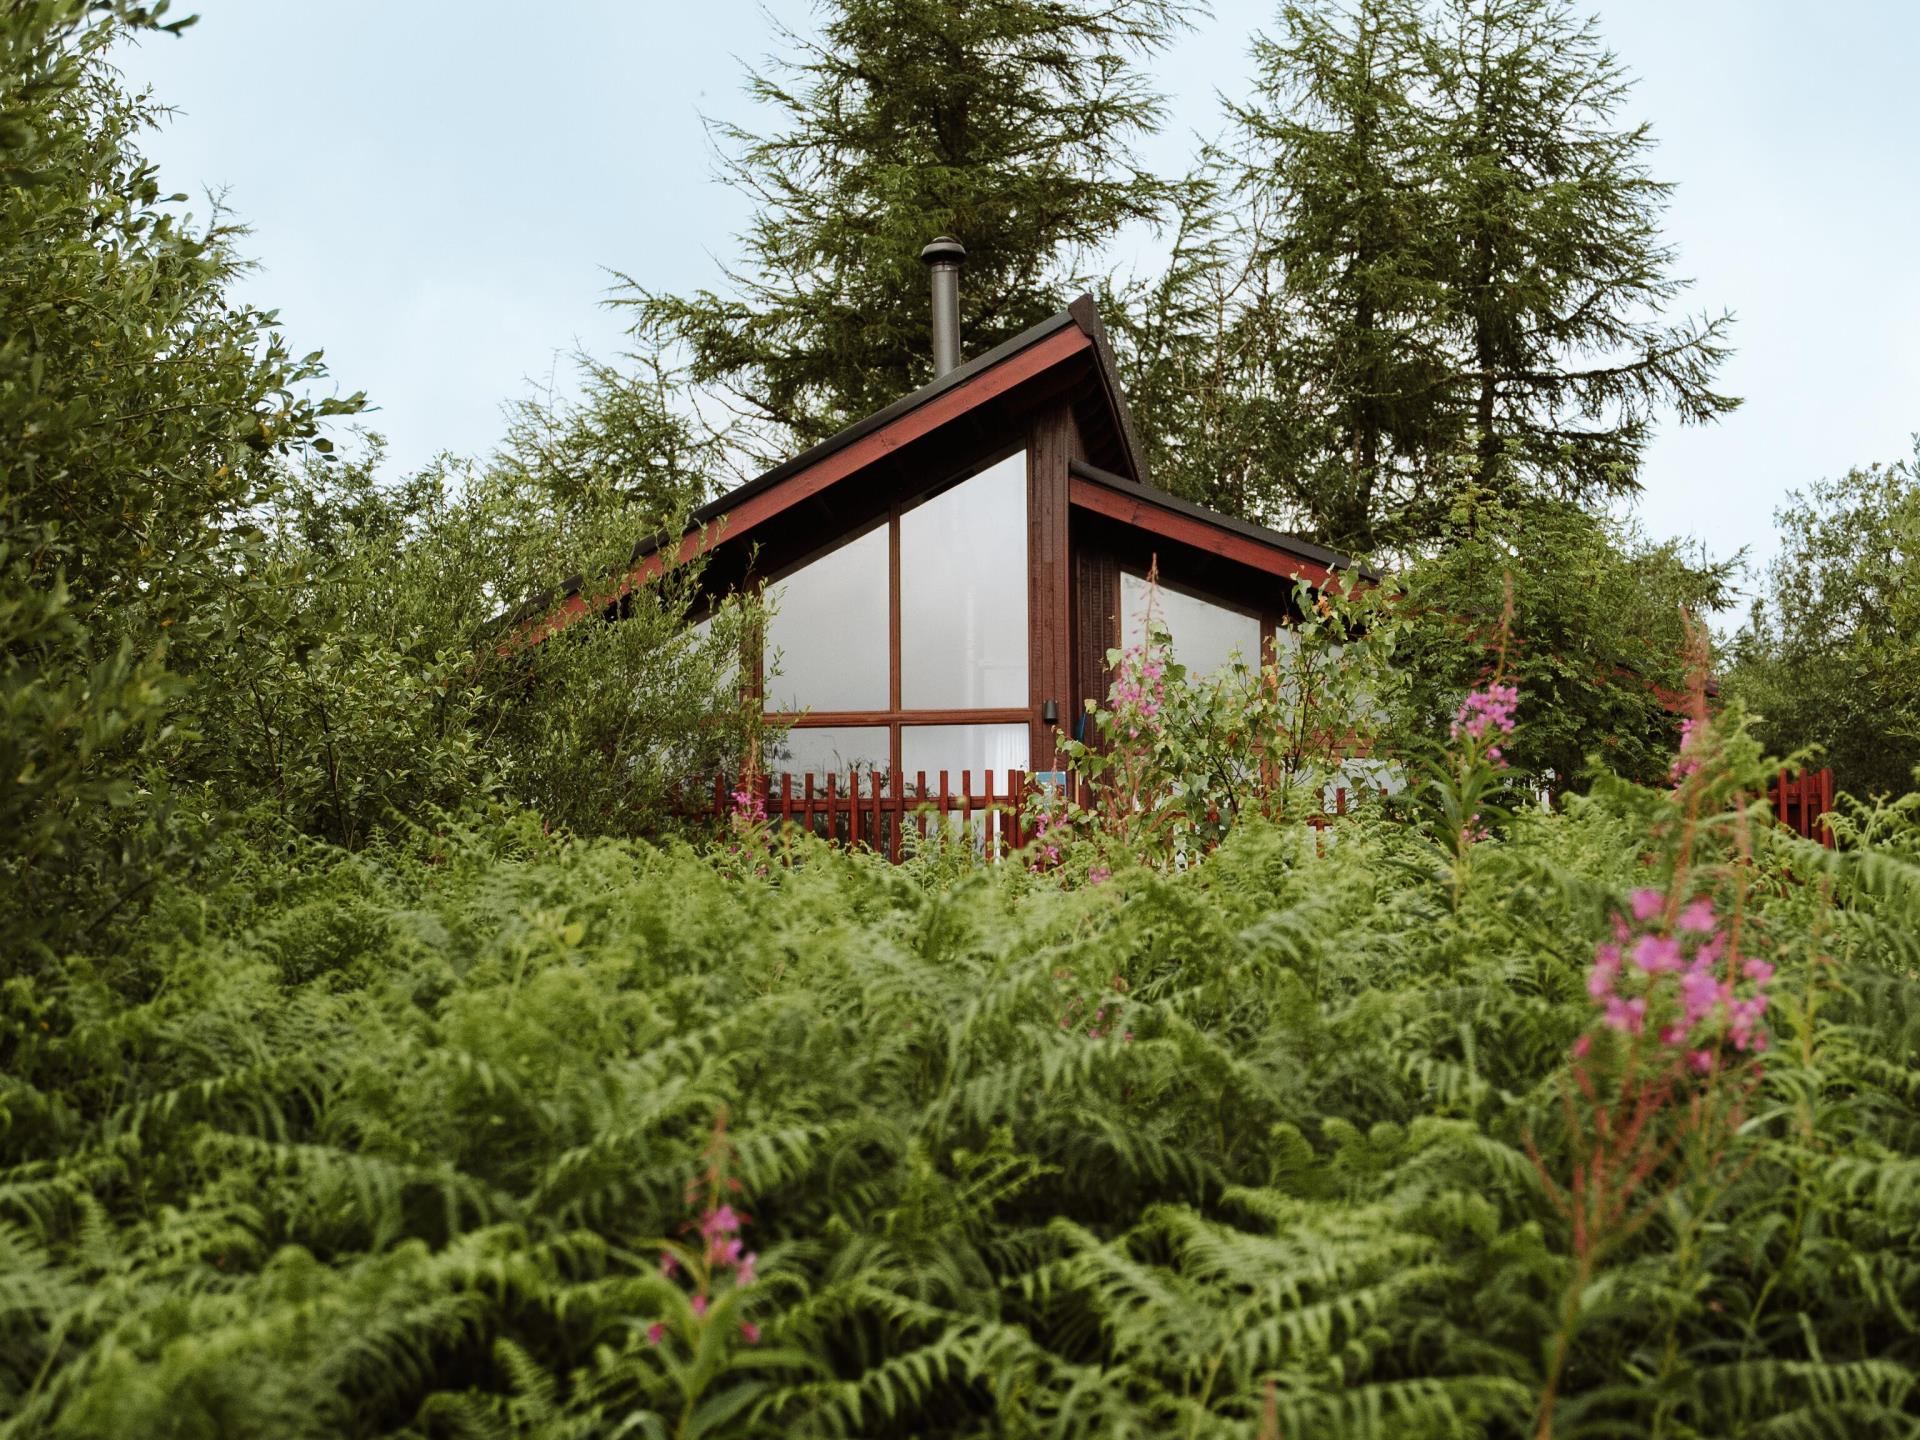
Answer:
(485, 1132)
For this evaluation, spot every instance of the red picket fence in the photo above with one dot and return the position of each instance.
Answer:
(880, 810)
(1800, 801)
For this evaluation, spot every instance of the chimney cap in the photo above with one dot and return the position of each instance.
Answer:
(944, 248)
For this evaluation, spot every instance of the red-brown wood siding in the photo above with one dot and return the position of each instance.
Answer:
(1096, 624)
(1049, 581)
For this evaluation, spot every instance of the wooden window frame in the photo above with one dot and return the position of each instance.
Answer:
(897, 717)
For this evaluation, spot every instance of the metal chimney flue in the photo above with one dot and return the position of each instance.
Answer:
(944, 257)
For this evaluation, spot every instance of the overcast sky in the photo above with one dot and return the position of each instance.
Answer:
(438, 191)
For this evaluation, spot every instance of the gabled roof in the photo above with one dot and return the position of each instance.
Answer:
(1069, 348)
(1078, 326)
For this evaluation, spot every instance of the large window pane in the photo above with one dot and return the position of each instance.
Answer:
(828, 632)
(826, 751)
(1206, 637)
(954, 748)
(963, 593)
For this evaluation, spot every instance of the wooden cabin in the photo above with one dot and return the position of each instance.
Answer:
(950, 573)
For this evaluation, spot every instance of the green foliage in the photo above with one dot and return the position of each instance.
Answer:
(1560, 274)
(1175, 759)
(1831, 653)
(141, 411)
(207, 616)
(1004, 122)
(1597, 641)
(1309, 288)
(390, 1143)
(370, 672)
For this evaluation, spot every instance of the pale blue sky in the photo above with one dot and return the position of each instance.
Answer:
(438, 190)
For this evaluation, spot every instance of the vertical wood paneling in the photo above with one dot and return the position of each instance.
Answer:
(1049, 579)
(1096, 625)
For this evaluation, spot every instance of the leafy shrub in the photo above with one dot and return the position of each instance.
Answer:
(142, 411)
(209, 617)
(1830, 652)
(1176, 759)
(1594, 619)
(373, 668)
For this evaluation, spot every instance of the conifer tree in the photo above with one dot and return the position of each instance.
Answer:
(1559, 276)
(1432, 258)
(1004, 122)
(1334, 134)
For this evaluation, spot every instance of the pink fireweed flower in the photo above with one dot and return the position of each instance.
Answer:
(1685, 763)
(668, 1265)
(1742, 1017)
(1099, 875)
(1657, 954)
(1692, 953)
(744, 1275)
(719, 1222)
(750, 1332)
(1626, 1015)
(724, 1252)
(1698, 917)
(1701, 1060)
(1484, 710)
(1601, 978)
(656, 1332)
(699, 1304)
(1699, 994)
(1581, 1046)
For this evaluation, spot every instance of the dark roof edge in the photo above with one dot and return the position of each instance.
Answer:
(1293, 544)
(719, 506)
(1087, 316)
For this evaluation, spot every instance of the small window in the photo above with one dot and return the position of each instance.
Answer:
(1207, 636)
(828, 633)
